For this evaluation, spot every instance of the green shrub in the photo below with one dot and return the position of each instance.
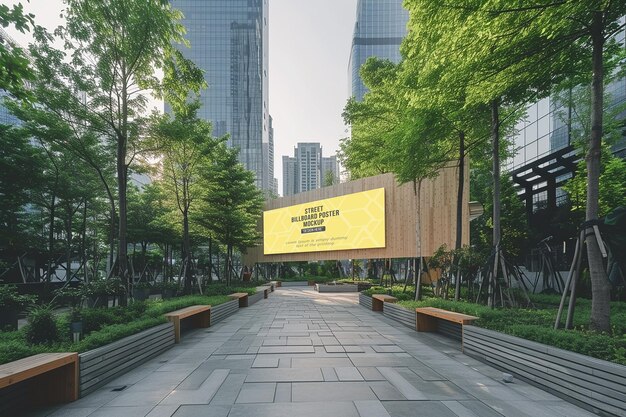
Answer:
(10, 299)
(42, 326)
(537, 325)
(157, 308)
(110, 334)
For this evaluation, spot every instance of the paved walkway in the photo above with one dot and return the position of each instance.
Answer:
(304, 354)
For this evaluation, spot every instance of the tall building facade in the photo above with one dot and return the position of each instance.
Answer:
(229, 42)
(330, 170)
(307, 169)
(379, 29)
(545, 155)
(6, 118)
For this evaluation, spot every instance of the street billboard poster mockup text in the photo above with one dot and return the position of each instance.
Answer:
(352, 221)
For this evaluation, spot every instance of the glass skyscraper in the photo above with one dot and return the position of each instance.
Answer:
(229, 42)
(307, 169)
(379, 30)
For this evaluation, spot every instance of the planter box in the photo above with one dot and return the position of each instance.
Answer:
(101, 365)
(336, 288)
(399, 314)
(254, 298)
(220, 312)
(365, 301)
(294, 283)
(594, 384)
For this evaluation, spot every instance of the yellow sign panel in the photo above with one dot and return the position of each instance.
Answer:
(353, 221)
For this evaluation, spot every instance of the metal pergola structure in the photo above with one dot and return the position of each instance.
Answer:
(545, 174)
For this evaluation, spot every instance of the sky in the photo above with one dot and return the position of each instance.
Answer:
(309, 49)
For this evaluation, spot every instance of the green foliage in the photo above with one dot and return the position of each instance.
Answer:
(21, 174)
(537, 324)
(159, 307)
(47, 333)
(10, 299)
(232, 203)
(14, 66)
(103, 287)
(514, 225)
(42, 326)
(612, 184)
(115, 332)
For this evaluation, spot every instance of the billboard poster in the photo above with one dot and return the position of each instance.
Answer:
(352, 221)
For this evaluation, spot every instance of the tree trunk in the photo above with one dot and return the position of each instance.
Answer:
(68, 247)
(459, 213)
(418, 231)
(210, 261)
(113, 227)
(122, 182)
(495, 138)
(600, 288)
(51, 237)
(187, 253)
(83, 242)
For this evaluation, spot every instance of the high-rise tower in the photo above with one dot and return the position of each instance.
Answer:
(229, 42)
(379, 29)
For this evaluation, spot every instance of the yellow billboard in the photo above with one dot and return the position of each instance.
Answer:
(353, 221)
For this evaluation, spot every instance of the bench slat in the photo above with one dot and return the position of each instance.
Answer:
(25, 368)
(446, 315)
(187, 311)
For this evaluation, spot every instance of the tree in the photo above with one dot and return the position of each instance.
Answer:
(395, 136)
(611, 188)
(116, 46)
(185, 144)
(513, 220)
(14, 66)
(21, 167)
(231, 205)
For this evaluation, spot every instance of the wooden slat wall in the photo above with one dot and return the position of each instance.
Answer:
(438, 217)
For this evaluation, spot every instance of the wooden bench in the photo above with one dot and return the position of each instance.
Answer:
(426, 318)
(266, 290)
(242, 297)
(379, 299)
(49, 378)
(200, 316)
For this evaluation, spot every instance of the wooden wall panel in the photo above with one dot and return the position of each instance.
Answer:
(438, 217)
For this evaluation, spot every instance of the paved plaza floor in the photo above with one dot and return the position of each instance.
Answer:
(301, 354)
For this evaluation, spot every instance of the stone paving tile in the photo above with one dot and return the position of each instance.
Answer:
(283, 392)
(229, 390)
(202, 411)
(286, 349)
(470, 409)
(385, 391)
(330, 391)
(371, 408)
(74, 412)
(202, 395)
(343, 409)
(121, 411)
(348, 374)
(401, 384)
(256, 393)
(410, 409)
(320, 362)
(300, 353)
(285, 375)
